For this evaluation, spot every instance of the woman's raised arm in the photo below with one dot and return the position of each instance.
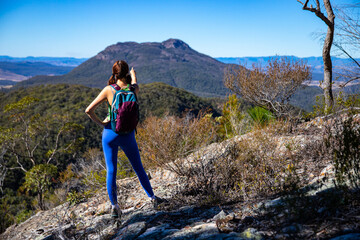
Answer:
(134, 80)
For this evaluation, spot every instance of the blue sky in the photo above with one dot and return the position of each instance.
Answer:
(226, 28)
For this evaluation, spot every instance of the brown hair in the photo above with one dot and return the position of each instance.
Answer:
(120, 70)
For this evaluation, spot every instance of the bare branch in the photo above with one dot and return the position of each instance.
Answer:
(56, 144)
(317, 12)
(349, 81)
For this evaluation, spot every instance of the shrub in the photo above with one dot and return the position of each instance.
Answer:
(163, 140)
(39, 179)
(250, 168)
(233, 121)
(343, 143)
(23, 215)
(343, 103)
(74, 197)
(260, 116)
(261, 169)
(270, 87)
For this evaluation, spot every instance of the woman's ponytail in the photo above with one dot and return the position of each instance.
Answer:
(112, 80)
(120, 70)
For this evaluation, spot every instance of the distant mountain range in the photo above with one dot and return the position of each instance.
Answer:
(57, 61)
(17, 71)
(315, 62)
(14, 69)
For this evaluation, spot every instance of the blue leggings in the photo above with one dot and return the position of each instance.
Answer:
(111, 142)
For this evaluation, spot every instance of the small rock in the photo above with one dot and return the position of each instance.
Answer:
(225, 226)
(228, 223)
(274, 203)
(220, 215)
(131, 231)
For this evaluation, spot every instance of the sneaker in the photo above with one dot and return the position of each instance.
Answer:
(116, 212)
(157, 201)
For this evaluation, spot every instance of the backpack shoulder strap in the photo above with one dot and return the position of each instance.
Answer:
(115, 86)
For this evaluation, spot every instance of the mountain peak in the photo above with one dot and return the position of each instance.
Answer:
(175, 43)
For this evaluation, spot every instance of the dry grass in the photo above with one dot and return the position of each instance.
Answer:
(163, 140)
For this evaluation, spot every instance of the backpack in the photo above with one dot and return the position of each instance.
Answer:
(124, 112)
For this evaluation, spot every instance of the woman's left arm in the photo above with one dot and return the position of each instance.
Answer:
(134, 80)
(90, 110)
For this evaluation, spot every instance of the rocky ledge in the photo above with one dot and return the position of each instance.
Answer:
(266, 219)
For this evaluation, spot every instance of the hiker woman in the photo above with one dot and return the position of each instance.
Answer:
(121, 78)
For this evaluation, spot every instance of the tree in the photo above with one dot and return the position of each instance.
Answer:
(330, 22)
(35, 139)
(347, 38)
(38, 180)
(270, 87)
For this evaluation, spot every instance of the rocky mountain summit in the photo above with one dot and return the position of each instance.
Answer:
(172, 62)
(262, 219)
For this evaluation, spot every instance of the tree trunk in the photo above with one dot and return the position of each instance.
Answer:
(327, 85)
(330, 22)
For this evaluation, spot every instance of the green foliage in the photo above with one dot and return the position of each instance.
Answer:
(75, 197)
(37, 139)
(95, 180)
(23, 215)
(13, 208)
(342, 101)
(39, 179)
(158, 99)
(19, 106)
(260, 116)
(232, 121)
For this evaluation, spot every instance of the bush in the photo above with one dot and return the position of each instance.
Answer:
(233, 121)
(75, 197)
(250, 168)
(39, 180)
(343, 143)
(163, 140)
(260, 116)
(270, 87)
(343, 103)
